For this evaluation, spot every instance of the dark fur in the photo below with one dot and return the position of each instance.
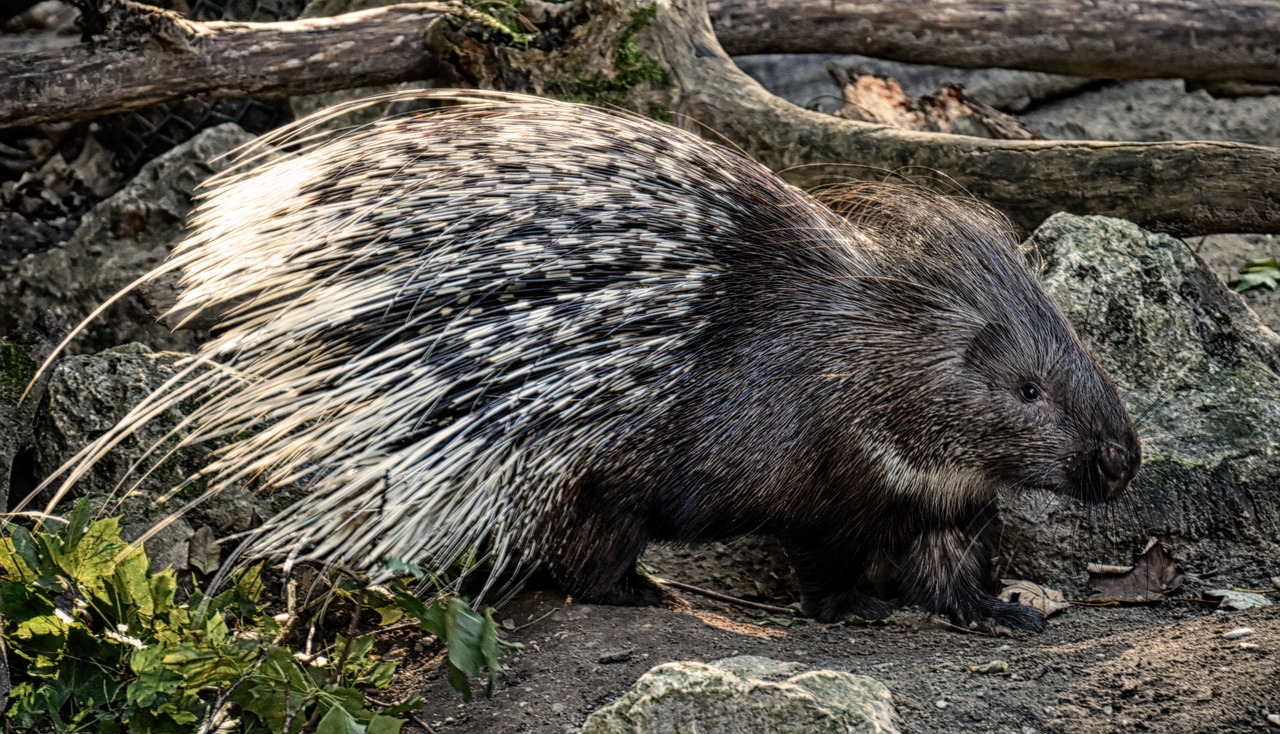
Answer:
(771, 434)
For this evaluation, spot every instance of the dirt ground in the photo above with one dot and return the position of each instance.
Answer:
(1162, 669)
(1166, 668)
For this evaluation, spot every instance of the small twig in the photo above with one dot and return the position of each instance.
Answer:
(407, 624)
(724, 597)
(535, 621)
(1088, 603)
(944, 623)
(425, 726)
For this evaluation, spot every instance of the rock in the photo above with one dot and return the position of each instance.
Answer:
(1199, 374)
(20, 360)
(1157, 109)
(89, 394)
(123, 237)
(728, 697)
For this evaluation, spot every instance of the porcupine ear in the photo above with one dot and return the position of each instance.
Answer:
(986, 348)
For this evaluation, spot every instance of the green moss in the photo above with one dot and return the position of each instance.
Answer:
(630, 68)
(630, 65)
(16, 367)
(502, 18)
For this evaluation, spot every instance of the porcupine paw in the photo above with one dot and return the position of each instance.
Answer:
(1002, 617)
(633, 589)
(835, 607)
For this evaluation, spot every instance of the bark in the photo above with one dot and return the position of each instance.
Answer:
(1192, 39)
(614, 52)
(160, 57)
(869, 98)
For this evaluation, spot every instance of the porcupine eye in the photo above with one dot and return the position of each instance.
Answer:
(1030, 392)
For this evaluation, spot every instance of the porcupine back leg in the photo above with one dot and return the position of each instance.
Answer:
(593, 555)
(946, 570)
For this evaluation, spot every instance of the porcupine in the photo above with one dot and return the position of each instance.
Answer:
(557, 334)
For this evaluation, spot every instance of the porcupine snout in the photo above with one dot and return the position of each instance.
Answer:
(1118, 464)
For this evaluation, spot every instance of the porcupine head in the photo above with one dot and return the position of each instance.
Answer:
(950, 378)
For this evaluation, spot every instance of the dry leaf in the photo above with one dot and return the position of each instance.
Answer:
(1236, 599)
(1043, 599)
(1152, 576)
(202, 550)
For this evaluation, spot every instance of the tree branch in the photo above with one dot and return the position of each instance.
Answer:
(167, 58)
(1184, 188)
(1191, 39)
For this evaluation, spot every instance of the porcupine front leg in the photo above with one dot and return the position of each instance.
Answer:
(829, 576)
(945, 570)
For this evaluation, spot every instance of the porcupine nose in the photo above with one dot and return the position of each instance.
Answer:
(1118, 465)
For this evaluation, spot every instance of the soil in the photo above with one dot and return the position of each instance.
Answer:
(1111, 669)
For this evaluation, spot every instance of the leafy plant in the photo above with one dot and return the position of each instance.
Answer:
(98, 642)
(1257, 273)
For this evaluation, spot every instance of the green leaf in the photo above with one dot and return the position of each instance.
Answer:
(385, 603)
(358, 652)
(1257, 274)
(489, 649)
(132, 582)
(77, 524)
(164, 587)
(464, 631)
(18, 554)
(460, 682)
(384, 724)
(154, 679)
(338, 721)
(54, 625)
(93, 558)
(201, 667)
(400, 567)
(379, 676)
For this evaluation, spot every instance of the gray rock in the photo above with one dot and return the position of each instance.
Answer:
(123, 237)
(1199, 374)
(728, 697)
(89, 394)
(1227, 254)
(1158, 109)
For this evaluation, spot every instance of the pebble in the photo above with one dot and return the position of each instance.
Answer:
(617, 656)
(1238, 633)
(1273, 719)
(557, 708)
(940, 703)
